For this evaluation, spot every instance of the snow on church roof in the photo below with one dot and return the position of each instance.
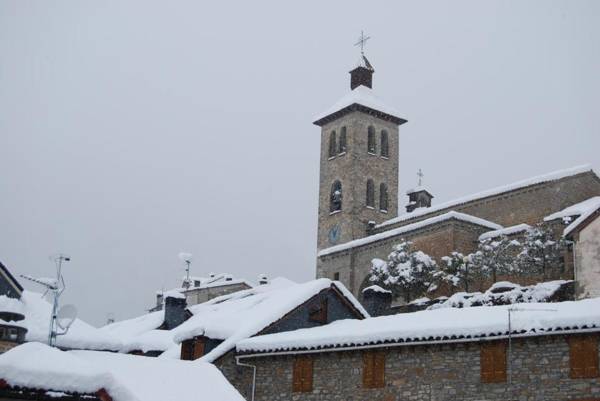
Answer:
(410, 227)
(440, 325)
(35, 366)
(505, 231)
(37, 316)
(583, 209)
(556, 175)
(240, 315)
(360, 95)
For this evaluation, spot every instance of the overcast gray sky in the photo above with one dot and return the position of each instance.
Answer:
(133, 130)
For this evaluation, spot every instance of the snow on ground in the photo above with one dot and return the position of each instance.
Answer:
(410, 227)
(240, 315)
(583, 209)
(363, 96)
(37, 320)
(504, 231)
(124, 377)
(445, 324)
(556, 175)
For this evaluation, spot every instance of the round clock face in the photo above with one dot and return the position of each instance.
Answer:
(334, 234)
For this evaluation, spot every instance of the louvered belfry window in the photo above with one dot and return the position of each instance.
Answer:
(583, 356)
(493, 362)
(373, 369)
(303, 374)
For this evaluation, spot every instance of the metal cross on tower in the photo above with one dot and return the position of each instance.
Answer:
(420, 175)
(362, 41)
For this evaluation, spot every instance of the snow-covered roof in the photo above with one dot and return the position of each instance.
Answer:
(36, 366)
(37, 316)
(583, 209)
(418, 189)
(141, 333)
(505, 231)
(556, 175)
(218, 280)
(376, 288)
(362, 96)
(440, 325)
(452, 215)
(240, 315)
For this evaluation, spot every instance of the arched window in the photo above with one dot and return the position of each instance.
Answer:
(370, 193)
(385, 146)
(342, 148)
(335, 198)
(371, 146)
(383, 197)
(332, 147)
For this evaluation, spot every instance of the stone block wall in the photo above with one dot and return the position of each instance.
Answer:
(432, 373)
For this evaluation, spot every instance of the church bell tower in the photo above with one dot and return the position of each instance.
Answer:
(358, 183)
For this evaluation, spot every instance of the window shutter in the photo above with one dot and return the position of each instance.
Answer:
(302, 380)
(379, 369)
(187, 350)
(318, 313)
(199, 344)
(583, 357)
(493, 362)
(368, 369)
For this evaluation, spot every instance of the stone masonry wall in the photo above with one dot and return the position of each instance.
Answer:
(432, 373)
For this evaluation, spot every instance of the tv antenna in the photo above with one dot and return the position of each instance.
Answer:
(186, 258)
(61, 318)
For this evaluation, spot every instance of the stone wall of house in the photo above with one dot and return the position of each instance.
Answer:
(587, 260)
(540, 372)
(200, 295)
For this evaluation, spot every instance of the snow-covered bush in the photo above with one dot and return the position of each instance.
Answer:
(406, 273)
(542, 251)
(457, 271)
(495, 256)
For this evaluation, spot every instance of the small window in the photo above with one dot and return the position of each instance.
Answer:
(2, 333)
(370, 193)
(318, 312)
(303, 374)
(192, 349)
(583, 357)
(371, 146)
(335, 198)
(385, 146)
(342, 143)
(383, 197)
(332, 145)
(373, 369)
(492, 359)
(336, 276)
(12, 334)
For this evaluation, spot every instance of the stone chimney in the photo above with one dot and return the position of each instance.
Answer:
(175, 309)
(376, 300)
(362, 74)
(417, 198)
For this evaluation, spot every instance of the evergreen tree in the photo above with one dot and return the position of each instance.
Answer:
(457, 270)
(542, 251)
(494, 256)
(406, 273)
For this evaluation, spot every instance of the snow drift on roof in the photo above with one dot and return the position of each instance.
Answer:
(436, 325)
(504, 231)
(583, 209)
(410, 227)
(243, 314)
(124, 377)
(37, 316)
(556, 175)
(363, 96)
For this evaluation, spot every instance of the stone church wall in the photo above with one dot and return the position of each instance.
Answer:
(587, 259)
(432, 373)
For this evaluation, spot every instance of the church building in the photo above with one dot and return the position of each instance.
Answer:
(361, 217)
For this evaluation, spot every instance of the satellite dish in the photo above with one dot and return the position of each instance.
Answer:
(66, 316)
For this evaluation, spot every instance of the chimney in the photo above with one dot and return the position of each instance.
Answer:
(376, 300)
(175, 309)
(262, 279)
(362, 74)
